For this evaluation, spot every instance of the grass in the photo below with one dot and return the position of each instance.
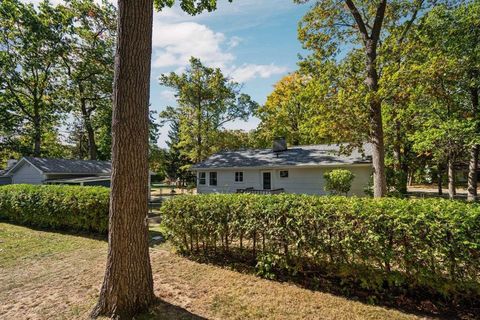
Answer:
(46, 275)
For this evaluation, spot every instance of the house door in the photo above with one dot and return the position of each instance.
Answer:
(267, 180)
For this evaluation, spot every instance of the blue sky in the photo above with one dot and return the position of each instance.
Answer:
(253, 41)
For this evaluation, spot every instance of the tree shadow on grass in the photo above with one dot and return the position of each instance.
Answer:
(165, 311)
(417, 300)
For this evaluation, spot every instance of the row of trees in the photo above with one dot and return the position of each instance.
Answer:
(416, 100)
(56, 64)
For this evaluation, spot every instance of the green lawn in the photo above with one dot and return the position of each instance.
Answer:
(46, 275)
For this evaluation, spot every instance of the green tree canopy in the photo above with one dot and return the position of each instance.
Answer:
(207, 100)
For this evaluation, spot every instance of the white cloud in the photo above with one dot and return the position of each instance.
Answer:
(234, 42)
(250, 71)
(175, 43)
(178, 36)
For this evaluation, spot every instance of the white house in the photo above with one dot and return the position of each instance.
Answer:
(294, 170)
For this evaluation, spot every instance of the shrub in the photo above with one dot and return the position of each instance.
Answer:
(381, 244)
(338, 181)
(56, 207)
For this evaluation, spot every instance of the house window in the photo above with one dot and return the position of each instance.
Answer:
(239, 176)
(202, 178)
(213, 178)
(284, 174)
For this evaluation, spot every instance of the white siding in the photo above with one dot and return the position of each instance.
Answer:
(27, 174)
(300, 180)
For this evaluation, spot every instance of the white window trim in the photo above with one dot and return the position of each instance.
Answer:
(235, 177)
(202, 184)
(210, 180)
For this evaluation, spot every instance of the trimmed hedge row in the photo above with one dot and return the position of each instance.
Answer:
(56, 207)
(379, 243)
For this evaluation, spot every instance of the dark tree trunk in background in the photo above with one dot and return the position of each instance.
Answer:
(92, 145)
(128, 284)
(440, 179)
(37, 128)
(451, 179)
(37, 143)
(87, 122)
(473, 166)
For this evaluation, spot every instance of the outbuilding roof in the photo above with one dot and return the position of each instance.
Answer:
(64, 166)
(313, 155)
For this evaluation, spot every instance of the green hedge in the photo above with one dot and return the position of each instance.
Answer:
(56, 207)
(379, 243)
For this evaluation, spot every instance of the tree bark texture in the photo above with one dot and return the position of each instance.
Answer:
(473, 165)
(376, 125)
(128, 284)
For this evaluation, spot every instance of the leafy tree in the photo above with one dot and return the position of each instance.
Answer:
(338, 181)
(176, 164)
(285, 112)
(88, 61)
(207, 100)
(335, 108)
(128, 283)
(332, 25)
(459, 47)
(30, 50)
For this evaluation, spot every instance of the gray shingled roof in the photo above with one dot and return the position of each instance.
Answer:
(71, 166)
(314, 155)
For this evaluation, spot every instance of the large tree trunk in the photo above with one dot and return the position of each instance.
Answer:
(473, 166)
(128, 284)
(451, 179)
(376, 124)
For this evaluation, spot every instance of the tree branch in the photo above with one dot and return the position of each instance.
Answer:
(358, 19)
(379, 17)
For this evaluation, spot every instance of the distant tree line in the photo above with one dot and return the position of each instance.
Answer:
(56, 65)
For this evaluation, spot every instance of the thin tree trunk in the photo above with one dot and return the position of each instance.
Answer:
(128, 284)
(376, 124)
(473, 166)
(37, 140)
(440, 179)
(92, 145)
(451, 179)
(472, 174)
(87, 122)
(37, 126)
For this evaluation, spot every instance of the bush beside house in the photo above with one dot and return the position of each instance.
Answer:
(56, 207)
(380, 244)
(338, 181)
